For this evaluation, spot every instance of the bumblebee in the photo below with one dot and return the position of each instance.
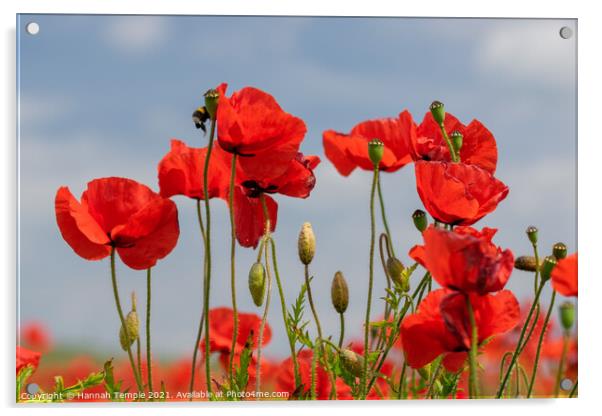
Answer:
(200, 117)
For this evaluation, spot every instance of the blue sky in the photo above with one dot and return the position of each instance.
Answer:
(102, 96)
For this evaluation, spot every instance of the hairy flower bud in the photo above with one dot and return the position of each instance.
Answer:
(396, 272)
(420, 220)
(339, 293)
(376, 149)
(307, 244)
(438, 111)
(546, 268)
(532, 234)
(132, 325)
(559, 251)
(526, 263)
(567, 315)
(257, 283)
(352, 362)
(211, 99)
(457, 140)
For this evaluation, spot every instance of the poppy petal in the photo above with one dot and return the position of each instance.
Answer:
(249, 218)
(565, 276)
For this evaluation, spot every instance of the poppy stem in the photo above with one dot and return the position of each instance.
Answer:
(452, 151)
(364, 379)
(573, 391)
(207, 283)
(402, 381)
(122, 319)
(233, 268)
(384, 218)
(202, 320)
(342, 336)
(149, 365)
(265, 312)
(472, 356)
(314, 362)
(565, 347)
(540, 343)
(520, 342)
(536, 278)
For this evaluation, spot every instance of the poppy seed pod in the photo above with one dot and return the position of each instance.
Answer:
(438, 111)
(532, 234)
(457, 140)
(546, 268)
(567, 315)
(376, 149)
(307, 244)
(211, 99)
(339, 293)
(559, 250)
(352, 362)
(420, 220)
(132, 324)
(257, 283)
(526, 263)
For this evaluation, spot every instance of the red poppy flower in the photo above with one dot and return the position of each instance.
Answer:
(564, 276)
(249, 217)
(27, 357)
(458, 194)
(252, 123)
(120, 213)
(35, 336)
(478, 144)
(464, 259)
(181, 172)
(441, 325)
(221, 328)
(350, 151)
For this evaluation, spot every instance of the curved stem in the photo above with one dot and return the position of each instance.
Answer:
(265, 314)
(384, 218)
(472, 357)
(233, 268)
(342, 336)
(540, 343)
(122, 319)
(207, 284)
(149, 365)
(565, 347)
(364, 379)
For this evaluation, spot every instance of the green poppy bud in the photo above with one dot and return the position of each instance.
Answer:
(352, 362)
(376, 148)
(257, 283)
(567, 315)
(339, 293)
(457, 140)
(132, 324)
(526, 263)
(546, 268)
(559, 251)
(420, 220)
(307, 244)
(532, 234)
(438, 111)
(211, 100)
(396, 270)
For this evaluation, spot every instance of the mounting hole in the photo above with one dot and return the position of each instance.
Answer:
(566, 32)
(566, 384)
(32, 28)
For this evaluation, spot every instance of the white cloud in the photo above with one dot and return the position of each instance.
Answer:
(136, 34)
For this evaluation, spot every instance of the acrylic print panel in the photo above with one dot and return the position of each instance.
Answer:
(273, 208)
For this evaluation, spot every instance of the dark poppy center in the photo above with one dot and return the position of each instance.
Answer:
(254, 190)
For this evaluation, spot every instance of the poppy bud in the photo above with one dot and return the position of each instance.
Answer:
(307, 244)
(132, 324)
(339, 293)
(532, 234)
(567, 315)
(396, 272)
(420, 220)
(526, 263)
(559, 251)
(257, 283)
(211, 99)
(546, 268)
(438, 111)
(457, 140)
(376, 149)
(352, 362)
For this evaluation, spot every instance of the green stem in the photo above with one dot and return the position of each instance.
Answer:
(540, 343)
(402, 380)
(565, 347)
(202, 320)
(519, 344)
(429, 392)
(265, 312)
(233, 268)
(536, 278)
(573, 391)
(342, 336)
(452, 151)
(207, 284)
(384, 218)
(472, 357)
(122, 319)
(149, 365)
(314, 362)
(364, 379)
